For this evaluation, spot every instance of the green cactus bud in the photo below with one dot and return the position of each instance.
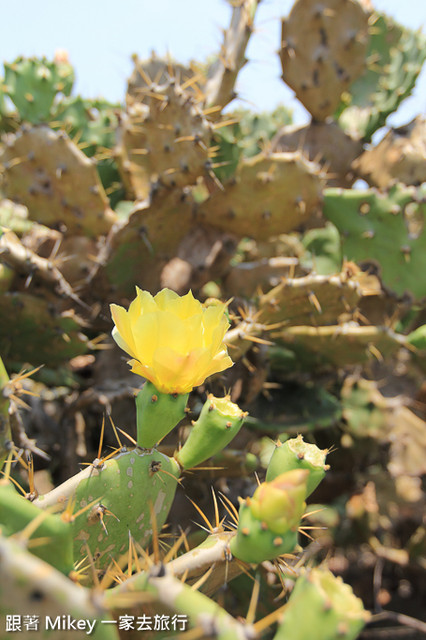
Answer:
(256, 543)
(325, 603)
(157, 413)
(281, 503)
(219, 421)
(297, 454)
(268, 522)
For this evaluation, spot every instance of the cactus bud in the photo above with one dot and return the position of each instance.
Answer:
(219, 421)
(268, 522)
(323, 602)
(297, 454)
(281, 503)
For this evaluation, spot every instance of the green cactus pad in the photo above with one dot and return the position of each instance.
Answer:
(16, 512)
(384, 227)
(123, 488)
(219, 422)
(32, 330)
(157, 414)
(323, 51)
(394, 60)
(60, 186)
(142, 247)
(325, 603)
(297, 454)
(31, 587)
(33, 84)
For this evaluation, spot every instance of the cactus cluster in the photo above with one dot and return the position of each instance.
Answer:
(309, 334)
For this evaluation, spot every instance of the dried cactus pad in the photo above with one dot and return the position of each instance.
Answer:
(164, 139)
(269, 195)
(47, 172)
(323, 49)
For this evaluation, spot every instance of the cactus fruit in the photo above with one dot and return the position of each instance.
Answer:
(322, 602)
(164, 410)
(386, 228)
(297, 454)
(323, 51)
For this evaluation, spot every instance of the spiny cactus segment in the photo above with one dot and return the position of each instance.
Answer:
(307, 289)
(47, 173)
(329, 605)
(383, 228)
(323, 51)
(394, 60)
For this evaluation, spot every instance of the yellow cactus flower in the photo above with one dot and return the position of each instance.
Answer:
(175, 341)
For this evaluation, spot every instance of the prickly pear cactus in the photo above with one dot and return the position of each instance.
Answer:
(384, 228)
(394, 59)
(276, 321)
(45, 171)
(323, 51)
(33, 85)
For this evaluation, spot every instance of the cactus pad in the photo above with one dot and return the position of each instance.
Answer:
(125, 489)
(387, 228)
(394, 60)
(399, 157)
(45, 171)
(323, 47)
(269, 195)
(165, 140)
(58, 337)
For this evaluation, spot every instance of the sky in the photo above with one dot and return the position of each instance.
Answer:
(101, 35)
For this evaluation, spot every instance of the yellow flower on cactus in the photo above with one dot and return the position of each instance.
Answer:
(175, 341)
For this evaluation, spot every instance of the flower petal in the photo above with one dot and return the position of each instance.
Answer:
(123, 329)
